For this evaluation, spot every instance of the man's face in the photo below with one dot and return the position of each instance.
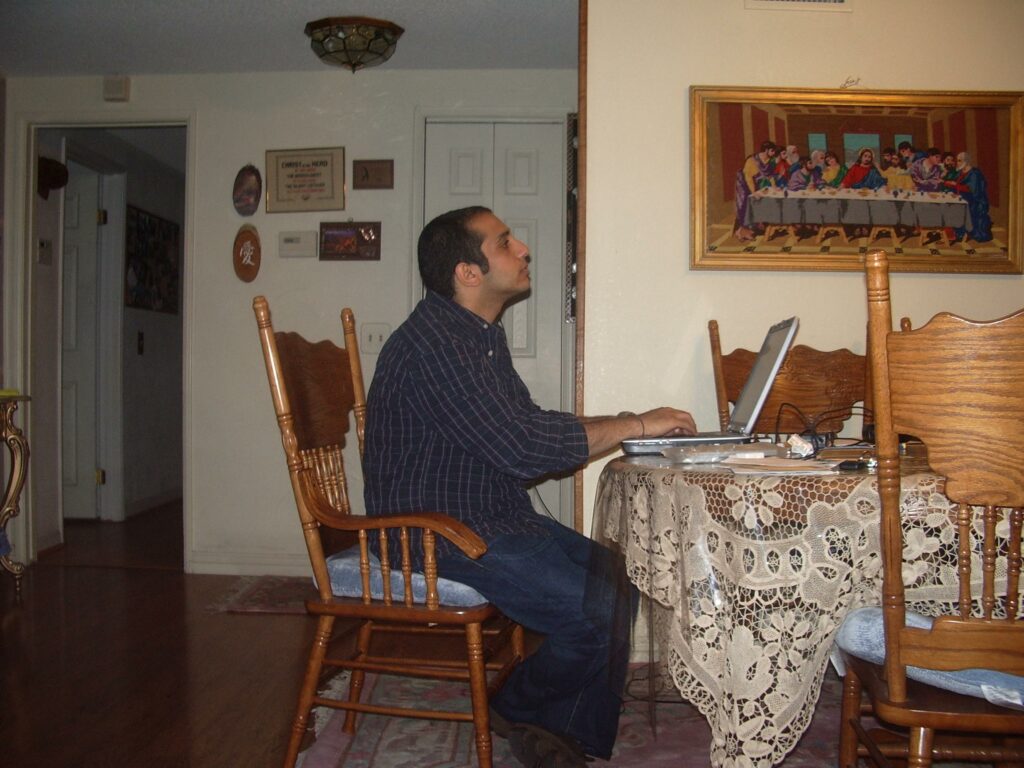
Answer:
(949, 162)
(507, 257)
(867, 157)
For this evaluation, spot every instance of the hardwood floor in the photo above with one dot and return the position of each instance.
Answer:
(113, 658)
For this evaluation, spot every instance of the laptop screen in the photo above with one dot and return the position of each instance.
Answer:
(762, 375)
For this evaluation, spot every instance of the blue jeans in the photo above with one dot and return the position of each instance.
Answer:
(569, 589)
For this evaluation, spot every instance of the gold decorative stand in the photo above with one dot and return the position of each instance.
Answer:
(17, 445)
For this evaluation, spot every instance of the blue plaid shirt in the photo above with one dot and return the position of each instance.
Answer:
(450, 426)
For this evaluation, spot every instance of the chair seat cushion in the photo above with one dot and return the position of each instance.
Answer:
(862, 635)
(346, 582)
(5, 544)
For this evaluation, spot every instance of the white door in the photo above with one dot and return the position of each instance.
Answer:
(518, 170)
(78, 332)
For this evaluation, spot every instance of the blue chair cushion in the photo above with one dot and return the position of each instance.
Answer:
(346, 582)
(862, 635)
(5, 544)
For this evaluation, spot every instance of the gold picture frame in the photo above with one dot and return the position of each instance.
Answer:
(751, 211)
(305, 180)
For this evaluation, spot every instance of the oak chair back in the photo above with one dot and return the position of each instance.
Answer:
(814, 390)
(317, 389)
(956, 385)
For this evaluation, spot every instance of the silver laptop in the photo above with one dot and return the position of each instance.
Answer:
(749, 404)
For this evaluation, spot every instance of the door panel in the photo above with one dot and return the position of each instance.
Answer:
(516, 169)
(78, 347)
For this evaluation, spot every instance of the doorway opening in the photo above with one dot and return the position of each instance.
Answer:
(107, 336)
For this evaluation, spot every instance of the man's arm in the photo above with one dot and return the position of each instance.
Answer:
(606, 432)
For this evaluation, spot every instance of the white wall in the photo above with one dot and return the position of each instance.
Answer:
(638, 217)
(240, 516)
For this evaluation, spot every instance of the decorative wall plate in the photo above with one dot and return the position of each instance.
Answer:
(246, 253)
(248, 190)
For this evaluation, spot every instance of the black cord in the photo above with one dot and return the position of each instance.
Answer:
(810, 431)
(800, 414)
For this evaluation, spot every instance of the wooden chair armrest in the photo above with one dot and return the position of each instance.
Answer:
(457, 532)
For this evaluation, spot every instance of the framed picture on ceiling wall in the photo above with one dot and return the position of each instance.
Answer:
(802, 179)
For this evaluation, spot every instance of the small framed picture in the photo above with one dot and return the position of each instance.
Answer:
(350, 241)
(373, 174)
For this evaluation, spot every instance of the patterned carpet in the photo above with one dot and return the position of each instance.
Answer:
(682, 741)
(266, 594)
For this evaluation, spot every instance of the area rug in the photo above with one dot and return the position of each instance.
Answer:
(266, 594)
(683, 738)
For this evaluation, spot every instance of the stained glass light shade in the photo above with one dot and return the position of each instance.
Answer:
(355, 42)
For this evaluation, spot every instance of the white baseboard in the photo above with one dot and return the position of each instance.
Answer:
(240, 563)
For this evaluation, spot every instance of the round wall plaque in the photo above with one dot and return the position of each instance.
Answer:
(247, 191)
(246, 253)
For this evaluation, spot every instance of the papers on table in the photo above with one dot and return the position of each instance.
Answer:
(773, 465)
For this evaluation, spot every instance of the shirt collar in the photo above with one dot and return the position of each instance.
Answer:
(457, 312)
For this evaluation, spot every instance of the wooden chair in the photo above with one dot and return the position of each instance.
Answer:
(315, 386)
(956, 385)
(813, 390)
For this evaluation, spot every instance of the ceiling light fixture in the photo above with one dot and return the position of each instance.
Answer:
(353, 41)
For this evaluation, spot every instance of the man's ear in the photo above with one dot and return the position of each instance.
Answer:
(468, 275)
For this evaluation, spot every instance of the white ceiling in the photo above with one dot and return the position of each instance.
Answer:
(136, 37)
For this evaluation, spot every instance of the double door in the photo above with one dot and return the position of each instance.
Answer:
(518, 170)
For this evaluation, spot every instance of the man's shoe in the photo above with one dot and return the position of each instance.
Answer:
(499, 725)
(535, 747)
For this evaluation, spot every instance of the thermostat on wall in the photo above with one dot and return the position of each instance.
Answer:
(297, 244)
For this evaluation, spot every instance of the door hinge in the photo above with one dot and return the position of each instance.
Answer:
(101, 216)
(101, 477)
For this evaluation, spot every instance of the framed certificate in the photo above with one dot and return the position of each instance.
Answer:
(305, 180)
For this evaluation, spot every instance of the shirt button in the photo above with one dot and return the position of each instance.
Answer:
(490, 353)
(486, 325)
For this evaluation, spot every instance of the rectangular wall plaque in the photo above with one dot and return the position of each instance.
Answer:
(350, 241)
(305, 180)
(373, 174)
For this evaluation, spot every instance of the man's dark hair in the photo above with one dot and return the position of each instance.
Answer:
(446, 242)
(905, 145)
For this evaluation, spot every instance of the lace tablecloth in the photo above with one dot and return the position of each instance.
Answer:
(756, 573)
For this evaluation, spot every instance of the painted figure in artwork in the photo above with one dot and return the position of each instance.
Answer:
(805, 175)
(927, 171)
(970, 184)
(758, 172)
(834, 170)
(863, 174)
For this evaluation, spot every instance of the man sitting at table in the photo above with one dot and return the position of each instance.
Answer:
(971, 185)
(927, 171)
(863, 174)
(450, 427)
(834, 171)
(805, 175)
